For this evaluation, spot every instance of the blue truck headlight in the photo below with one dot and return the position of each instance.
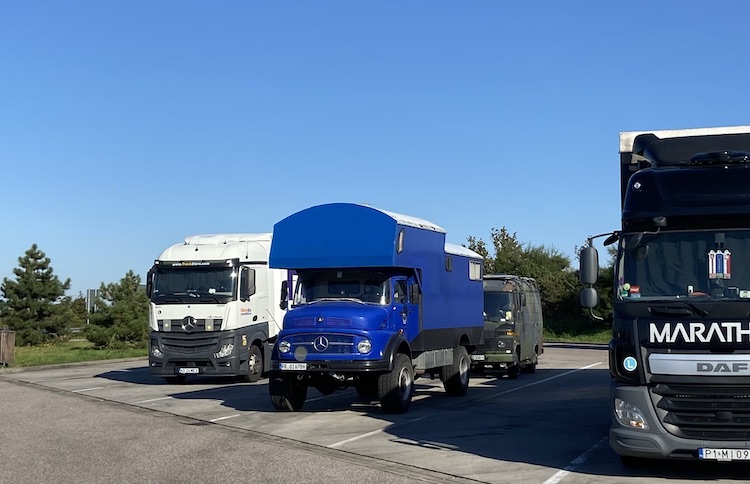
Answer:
(629, 415)
(284, 346)
(225, 350)
(364, 346)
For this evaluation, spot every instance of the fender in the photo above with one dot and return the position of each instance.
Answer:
(259, 335)
(391, 349)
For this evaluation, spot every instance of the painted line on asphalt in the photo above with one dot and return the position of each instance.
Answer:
(95, 388)
(562, 473)
(374, 432)
(224, 418)
(152, 400)
(538, 382)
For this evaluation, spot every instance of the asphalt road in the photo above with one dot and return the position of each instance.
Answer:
(114, 423)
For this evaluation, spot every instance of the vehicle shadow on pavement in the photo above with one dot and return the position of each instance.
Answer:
(522, 420)
(144, 377)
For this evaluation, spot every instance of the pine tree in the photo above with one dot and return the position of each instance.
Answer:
(32, 302)
(121, 317)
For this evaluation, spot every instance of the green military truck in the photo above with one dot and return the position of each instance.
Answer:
(513, 326)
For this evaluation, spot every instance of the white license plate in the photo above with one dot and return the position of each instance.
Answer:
(724, 454)
(188, 371)
(293, 366)
(477, 357)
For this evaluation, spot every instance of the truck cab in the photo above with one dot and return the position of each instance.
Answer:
(680, 349)
(216, 307)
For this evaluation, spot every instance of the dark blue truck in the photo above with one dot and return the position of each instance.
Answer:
(380, 299)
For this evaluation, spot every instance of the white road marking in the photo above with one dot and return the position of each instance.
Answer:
(224, 418)
(95, 388)
(87, 389)
(562, 473)
(514, 389)
(368, 434)
(151, 400)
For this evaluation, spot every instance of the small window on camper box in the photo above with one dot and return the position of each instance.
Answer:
(475, 270)
(448, 263)
(400, 242)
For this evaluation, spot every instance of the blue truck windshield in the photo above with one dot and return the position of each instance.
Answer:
(360, 285)
(707, 264)
(215, 284)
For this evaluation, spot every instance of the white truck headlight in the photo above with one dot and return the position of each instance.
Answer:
(364, 346)
(225, 350)
(284, 346)
(155, 350)
(629, 415)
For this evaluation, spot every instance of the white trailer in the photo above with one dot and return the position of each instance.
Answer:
(216, 307)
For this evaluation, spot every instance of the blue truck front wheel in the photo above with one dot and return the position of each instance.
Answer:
(396, 387)
(288, 392)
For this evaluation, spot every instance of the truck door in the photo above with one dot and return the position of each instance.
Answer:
(406, 313)
(522, 326)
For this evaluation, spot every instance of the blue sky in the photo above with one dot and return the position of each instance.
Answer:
(125, 126)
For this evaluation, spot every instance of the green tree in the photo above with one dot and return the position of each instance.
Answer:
(121, 318)
(557, 281)
(33, 305)
(74, 311)
(509, 253)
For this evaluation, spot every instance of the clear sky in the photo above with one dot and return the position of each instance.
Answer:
(125, 126)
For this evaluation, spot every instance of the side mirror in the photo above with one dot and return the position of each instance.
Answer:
(589, 265)
(284, 295)
(150, 283)
(523, 299)
(247, 283)
(589, 298)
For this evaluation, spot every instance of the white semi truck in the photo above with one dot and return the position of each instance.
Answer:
(216, 307)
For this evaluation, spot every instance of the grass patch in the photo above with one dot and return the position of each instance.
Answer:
(601, 336)
(69, 352)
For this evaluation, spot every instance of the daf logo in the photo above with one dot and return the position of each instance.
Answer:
(320, 344)
(189, 324)
(721, 367)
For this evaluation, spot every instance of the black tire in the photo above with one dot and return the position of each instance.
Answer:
(396, 387)
(367, 387)
(288, 393)
(515, 368)
(175, 380)
(455, 377)
(254, 364)
(531, 366)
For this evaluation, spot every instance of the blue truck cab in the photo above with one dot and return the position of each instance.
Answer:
(380, 298)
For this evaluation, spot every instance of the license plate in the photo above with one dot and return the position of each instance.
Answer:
(477, 357)
(293, 366)
(724, 454)
(188, 371)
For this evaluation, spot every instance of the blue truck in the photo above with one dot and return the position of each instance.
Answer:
(380, 299)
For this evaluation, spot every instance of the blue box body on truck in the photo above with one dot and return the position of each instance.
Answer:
(380, 298)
